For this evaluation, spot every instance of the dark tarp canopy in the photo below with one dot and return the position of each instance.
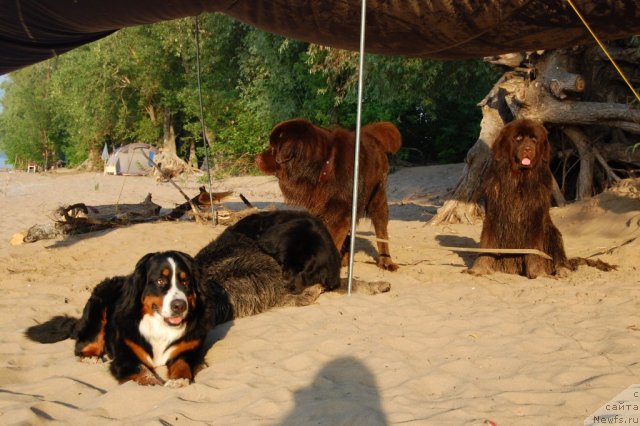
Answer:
(34, 30)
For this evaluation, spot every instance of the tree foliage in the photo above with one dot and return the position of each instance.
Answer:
(140, 84)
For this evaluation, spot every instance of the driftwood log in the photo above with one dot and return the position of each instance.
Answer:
(593, 118)
(81, 218)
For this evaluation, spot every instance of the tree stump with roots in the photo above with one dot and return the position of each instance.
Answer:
(592, 116)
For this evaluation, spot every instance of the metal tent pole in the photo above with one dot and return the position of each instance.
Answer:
(356, 161)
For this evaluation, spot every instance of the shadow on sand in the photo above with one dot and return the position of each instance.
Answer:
(344, 392)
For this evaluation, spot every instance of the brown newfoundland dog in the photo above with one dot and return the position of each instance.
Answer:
(517, 194)
(314, 167)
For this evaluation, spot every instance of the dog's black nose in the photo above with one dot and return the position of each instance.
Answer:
(178, 306)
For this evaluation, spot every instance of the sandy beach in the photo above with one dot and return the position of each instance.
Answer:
(441, 348)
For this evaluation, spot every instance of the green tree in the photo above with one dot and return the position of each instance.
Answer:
(140, 84)
(26, 122)
(87, 101)
(432, 102)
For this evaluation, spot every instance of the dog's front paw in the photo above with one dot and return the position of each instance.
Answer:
(385, 262)
(479, 270)
(176, 383)
(483, 265)
(562, 272)
(92, 359)
(146, 377)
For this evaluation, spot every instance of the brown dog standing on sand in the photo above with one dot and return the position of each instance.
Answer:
(314, 167)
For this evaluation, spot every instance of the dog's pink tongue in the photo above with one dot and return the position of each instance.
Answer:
(175, 320)
(525, 162)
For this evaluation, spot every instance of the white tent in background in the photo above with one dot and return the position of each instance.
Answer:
(105, 153)
(132, 159)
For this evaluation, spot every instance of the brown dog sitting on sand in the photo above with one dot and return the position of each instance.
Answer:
(517, 195)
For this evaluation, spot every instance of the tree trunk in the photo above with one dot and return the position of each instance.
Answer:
(585, 177)
(152, 113)
(578, 98)
(558, 196)
(193, 158)
(463, 207)
(45, 150)
(169, 134)
(93, 161)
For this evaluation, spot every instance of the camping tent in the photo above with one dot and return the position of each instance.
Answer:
(36, 30)
(131, 160)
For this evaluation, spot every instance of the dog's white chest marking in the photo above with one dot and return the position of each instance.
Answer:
(156, 331)
(160, 336)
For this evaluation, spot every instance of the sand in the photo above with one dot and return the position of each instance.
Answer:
(441, 348)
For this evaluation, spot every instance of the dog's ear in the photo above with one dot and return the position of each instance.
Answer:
(194, 271)
(133, 287)
(140, 271)
(297, 128)
(297, 143)
(502, 149)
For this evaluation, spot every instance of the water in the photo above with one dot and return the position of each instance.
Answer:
(3, 162)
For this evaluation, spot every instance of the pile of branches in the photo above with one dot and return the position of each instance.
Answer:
(170, 166)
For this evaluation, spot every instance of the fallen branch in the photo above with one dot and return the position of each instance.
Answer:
(201, 204)
(469, 249)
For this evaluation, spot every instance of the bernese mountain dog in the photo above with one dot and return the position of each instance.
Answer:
(148, 319)
(160, 314)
